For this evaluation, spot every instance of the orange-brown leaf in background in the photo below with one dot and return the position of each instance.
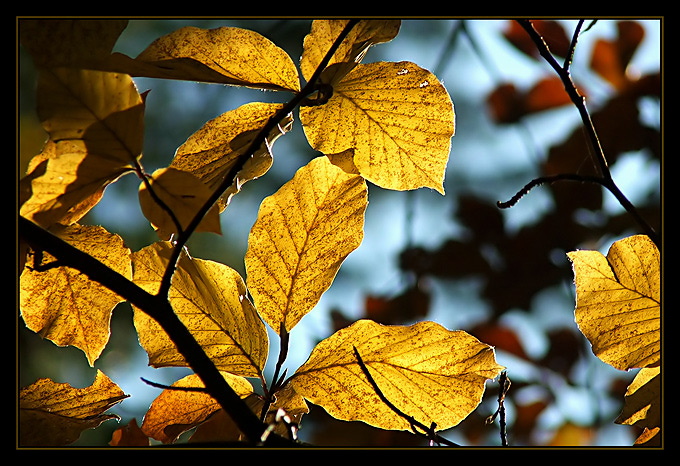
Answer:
(552, 32)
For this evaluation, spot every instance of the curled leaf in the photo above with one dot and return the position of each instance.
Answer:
(214, 150)
(226, 55)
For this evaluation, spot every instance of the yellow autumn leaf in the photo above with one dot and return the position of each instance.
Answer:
(398, 120)
(174, 412)
(210, 300)
(64, 305)
(212, 151)
(224, 55)
(428, 372)
(302, 234)
(352, 49)
(642, 402)
(95, 125)
(182, 194)
(618, 302)
(55, 414)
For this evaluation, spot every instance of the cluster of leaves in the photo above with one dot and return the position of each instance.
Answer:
(385, 123)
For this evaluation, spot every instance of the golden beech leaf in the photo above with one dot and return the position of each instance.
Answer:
(210, 299)
(95, 125)
(182, 194)
(55, 414)
(176, 411)
(396, 117)
(302, 234)
(618, 302)
(353, 48)
(642, 403)
(62, 304)
(211, 152)
(426, 371)
(223, 55)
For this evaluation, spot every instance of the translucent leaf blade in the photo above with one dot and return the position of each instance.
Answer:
(212, 151)
(301, 236)
(224, 55)
(64, 305)
(398, 120)
(210, 299)
(428, 372)
(618, 302)
(183, 195)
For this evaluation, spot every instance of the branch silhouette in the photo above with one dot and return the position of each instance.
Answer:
(599, 159)
(157, 306)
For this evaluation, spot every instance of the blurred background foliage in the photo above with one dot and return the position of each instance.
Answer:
(501, 275)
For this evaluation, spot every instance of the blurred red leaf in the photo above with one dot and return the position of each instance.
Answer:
(610, 58)
(508, 104)
(552, 32)
(499, 337)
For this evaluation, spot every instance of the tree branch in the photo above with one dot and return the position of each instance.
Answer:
(579, 101)
(158, 308)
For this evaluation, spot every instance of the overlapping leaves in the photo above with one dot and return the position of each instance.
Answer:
(387, 123)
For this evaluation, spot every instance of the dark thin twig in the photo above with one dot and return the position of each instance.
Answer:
(503, 387)
(170, 387)
(427, 432)
(578, 100)
(548, 180)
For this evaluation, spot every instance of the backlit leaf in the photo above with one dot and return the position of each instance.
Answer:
(223, 55)
(55, 414)
(211, 152)
(175, 411)
(618, 302)
(428, 372)
(181, 193)
(301, 236)
(210, 299)
(398, 120)
(95, 125)
(64, 305)
(353, 48)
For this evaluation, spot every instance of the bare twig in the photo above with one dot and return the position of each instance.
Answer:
(599, 160)
(547, 180)
(427, 432)
(503, 387)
